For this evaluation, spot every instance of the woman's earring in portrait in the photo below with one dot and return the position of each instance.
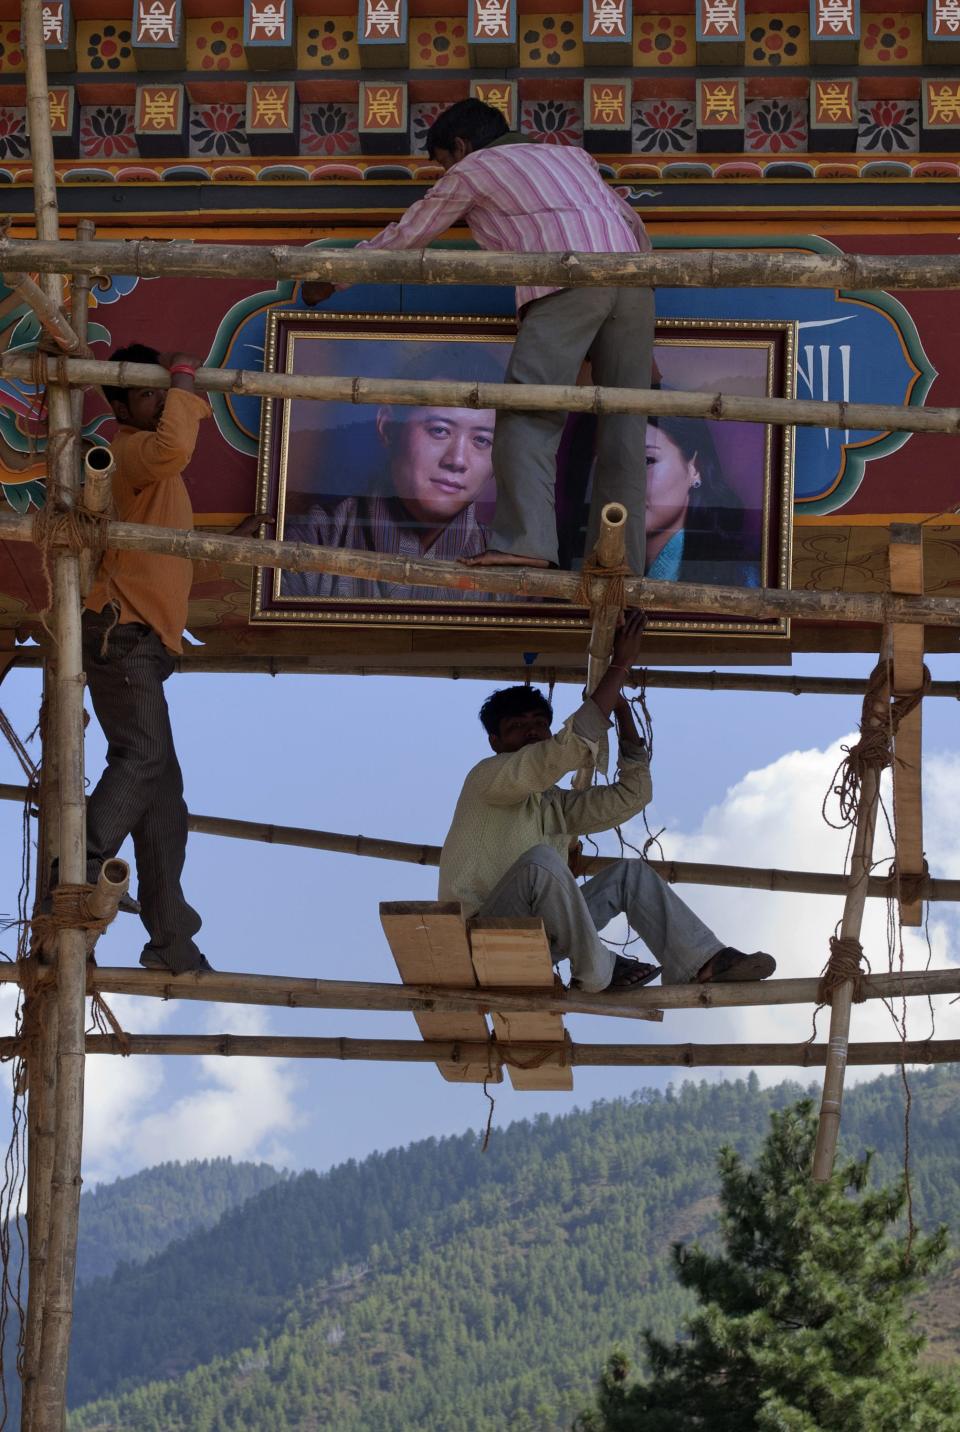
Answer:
(696, 483)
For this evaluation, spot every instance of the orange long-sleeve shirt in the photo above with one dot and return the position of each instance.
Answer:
(148, 487)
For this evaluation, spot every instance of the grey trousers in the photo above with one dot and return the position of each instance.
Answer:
(613, 327)
(541, 883)
(141, 790)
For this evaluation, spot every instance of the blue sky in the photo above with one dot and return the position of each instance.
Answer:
(737, 779)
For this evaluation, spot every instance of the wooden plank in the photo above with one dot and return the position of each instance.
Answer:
(906, 575)
(512, 953)
(429, 944)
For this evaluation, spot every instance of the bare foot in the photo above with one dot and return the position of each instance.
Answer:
(503, 559)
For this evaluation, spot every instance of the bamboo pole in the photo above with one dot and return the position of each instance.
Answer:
(675, 872)
(610, 553)
(597, 1056)
(512, 397)
(48, 312)
(201, 660)
(868, 608)
(685, 268)
(861, 860)
(296, 992)
(48, 1403)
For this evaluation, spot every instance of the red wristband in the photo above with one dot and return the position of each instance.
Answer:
(183, 368)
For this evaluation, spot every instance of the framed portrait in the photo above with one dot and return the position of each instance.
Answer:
(419, 482)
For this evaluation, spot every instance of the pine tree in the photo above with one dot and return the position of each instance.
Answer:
(802, 1325)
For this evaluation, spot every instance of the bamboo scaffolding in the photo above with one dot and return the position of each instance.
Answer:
(597, 1056)
(512, 397)
(609, 553)
(838, 1049)
(675, 872)
(873, 609)
(297, 993)
(202, 661)
(686, 268)
(48, 312)
(46, 1412)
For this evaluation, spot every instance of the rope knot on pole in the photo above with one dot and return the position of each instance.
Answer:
(845, 964)
(871, 753)
(70, 910)
(611, 592)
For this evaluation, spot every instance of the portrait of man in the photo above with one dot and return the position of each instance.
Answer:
(432, 467)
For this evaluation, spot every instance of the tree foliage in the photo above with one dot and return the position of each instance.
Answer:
(803, 1324)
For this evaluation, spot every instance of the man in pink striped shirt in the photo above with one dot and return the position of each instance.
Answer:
(533, 198)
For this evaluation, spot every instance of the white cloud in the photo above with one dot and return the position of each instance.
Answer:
(135, 1118)
(772, 818)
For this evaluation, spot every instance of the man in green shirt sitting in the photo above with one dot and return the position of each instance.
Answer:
(507, 849)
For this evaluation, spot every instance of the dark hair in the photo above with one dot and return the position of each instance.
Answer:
(470, 119)
(455, 362)
(714, 526)
(133, 353)
(512, 701)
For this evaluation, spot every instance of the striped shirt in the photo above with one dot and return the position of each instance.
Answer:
(523, 198)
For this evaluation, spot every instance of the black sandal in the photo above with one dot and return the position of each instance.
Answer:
(630, 974)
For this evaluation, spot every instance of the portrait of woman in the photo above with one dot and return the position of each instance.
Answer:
(697, 529)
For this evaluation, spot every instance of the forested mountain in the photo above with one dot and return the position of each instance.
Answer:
(437, 1287)
(131, 1219)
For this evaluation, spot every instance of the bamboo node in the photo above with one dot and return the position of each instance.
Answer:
(844, 966)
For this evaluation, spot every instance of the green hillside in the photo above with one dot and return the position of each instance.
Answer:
(443, 1289)
(131, 1219)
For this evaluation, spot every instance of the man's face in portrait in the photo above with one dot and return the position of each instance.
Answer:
(440, 458)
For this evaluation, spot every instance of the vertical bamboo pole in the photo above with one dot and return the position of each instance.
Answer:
(41, 1060)
(861, 861)
(48, 1401)
(610, 552)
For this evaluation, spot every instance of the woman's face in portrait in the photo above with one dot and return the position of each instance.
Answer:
(670, 477)
(440, 458)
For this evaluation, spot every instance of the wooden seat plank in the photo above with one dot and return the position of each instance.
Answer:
(513, 953)
(429, 943)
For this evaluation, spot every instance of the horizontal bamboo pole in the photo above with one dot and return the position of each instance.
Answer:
(598, 1056)
(869, 608)
(50, 314)
(683, 268)
(675, 872)
(201, 660)
(295, 992)
(512, 397)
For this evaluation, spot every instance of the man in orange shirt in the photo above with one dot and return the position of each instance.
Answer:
(135, 614)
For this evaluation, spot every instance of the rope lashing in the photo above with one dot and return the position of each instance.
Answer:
(901, 706)
(871, 751)
(844, 965)
(57, 528)
(71, 911)
(614, 590)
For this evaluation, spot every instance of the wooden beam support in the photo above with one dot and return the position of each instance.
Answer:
(597, 1056)
(869, 608)
(876, 715)
(906, 575)
(47, 1404)
(675, 872)
(291, 992)
(511, 397)
(684, 268)
(201, 660)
